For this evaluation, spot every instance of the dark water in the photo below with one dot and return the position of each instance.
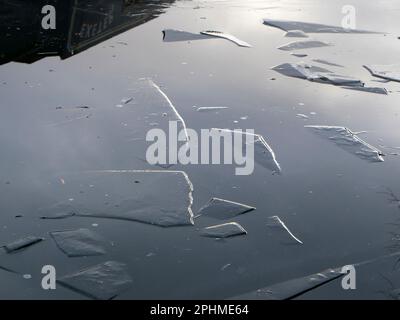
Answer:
(53, 152)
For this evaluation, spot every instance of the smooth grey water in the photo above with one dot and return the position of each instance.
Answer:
(339, 205)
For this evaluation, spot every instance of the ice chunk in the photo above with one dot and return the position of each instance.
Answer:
(387, 72)
(58, 211)
(292, 288)
(305, 44)
(296, 34)
(226, 36)
(316, 74)
(328, 63)
(223, 209)
(302, 116)
(299, 55)
(78, 243)
(165, 199)
(104, 281)
(275, 223)
(307, 27)
(205, 109)
(225, 230)
(377, 90)
(263, 153)
(171, 35)
(349, 141)
(22, 243)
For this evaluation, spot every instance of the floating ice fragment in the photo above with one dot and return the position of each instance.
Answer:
(305, 44)
(307, 27)
(58, 211)
(387, 72)
(205, 109)
(263, 153)
(316, 74)
(276, 223)
(126, 100)
(299, 55)
(377, 90)
(225, 230)
(104, 281)
(292, 288)
(223, 209)
(328, 63)
(170, 35)
(226, 36)
(78, 243)
(349, 141)
(165, 199)
(22, 243)
(302, 116)
(296, 34)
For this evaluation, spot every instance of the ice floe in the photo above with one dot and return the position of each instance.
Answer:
(292, 288)
(225, 230)
(164, 199)
(305, 44)
(387, 72)
(79, 243)
(223, 209)
(316, 74)
(104, 281)
(296, 34)
(308, 27)
(349, 141)
(299, 55)
(276, 224)
(377, 90)
(206, 109)
(322, 61)
(171, 35)
(263, 153)
(22, 243)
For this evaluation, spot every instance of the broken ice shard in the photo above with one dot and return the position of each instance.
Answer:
(104, 281)
(387, 72)
(349, 141)
(377, 90)
(226, 36)
(170, 35)
(78, 243)
(307, 27)
(292, 288)
(225, 230)
(163, 198)
(205, 109)
(328, 63)
(58, 211)
(263, 153)
(305, 44)
(296, 34)
(299, 55)
(223, 209)
(22, 243)
(316, 74)
(276, 224)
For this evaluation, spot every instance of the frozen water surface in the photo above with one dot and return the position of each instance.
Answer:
(61, 160)
(22, 243)
(305, 44)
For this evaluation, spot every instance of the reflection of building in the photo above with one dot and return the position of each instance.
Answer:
(80, 24)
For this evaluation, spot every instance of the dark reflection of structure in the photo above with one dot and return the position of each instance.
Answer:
(80, 24)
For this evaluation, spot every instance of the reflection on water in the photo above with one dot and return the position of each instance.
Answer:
(79, 25)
